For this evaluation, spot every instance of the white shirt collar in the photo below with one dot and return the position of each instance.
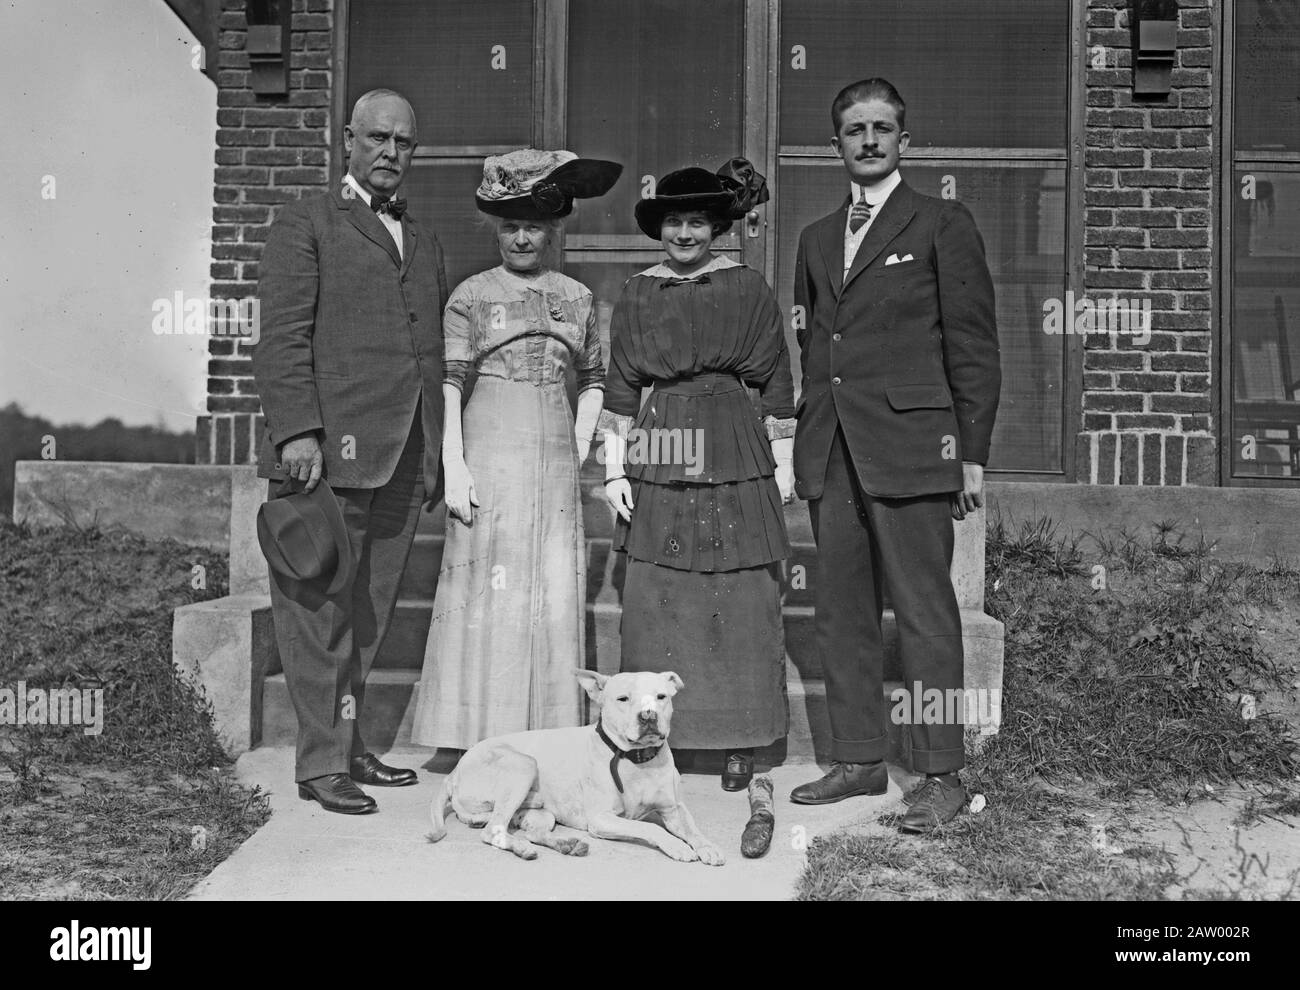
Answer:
(393, 225)
(877, 194)
(365, 196)
(718, 263)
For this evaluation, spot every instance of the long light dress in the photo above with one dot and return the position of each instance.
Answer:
(508, 617)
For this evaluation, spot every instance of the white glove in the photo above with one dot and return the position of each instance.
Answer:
(617, 488)
(590, 402)
(783, 454)
(458, 485)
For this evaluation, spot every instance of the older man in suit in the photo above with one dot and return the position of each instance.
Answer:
(900, 388)
(349, 368)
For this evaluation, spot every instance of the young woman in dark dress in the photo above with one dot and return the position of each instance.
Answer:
(704, 532)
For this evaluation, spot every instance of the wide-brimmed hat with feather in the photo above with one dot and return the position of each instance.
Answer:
(530, 184)
(727, 195)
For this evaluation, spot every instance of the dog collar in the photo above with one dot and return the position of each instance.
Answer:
(635, 755)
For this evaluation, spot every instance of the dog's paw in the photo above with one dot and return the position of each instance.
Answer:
(680, 851)
(571, 847)
(710, 855)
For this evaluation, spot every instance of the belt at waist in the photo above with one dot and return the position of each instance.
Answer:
(710, 383)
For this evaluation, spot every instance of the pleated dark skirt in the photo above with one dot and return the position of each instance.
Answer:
(721, 632)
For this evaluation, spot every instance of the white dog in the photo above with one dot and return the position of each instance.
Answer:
(603, 779)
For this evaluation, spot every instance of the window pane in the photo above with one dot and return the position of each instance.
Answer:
(656, 85)
(442, 197)
(1267, 95)
(465, 65)
(987, 74)
(1266, 326)
(1021, 216)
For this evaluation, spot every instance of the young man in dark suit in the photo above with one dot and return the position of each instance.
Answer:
(349, 368)
(900, 388)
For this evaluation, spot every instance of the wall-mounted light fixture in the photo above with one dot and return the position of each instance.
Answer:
(1154, 25)
(267, 46)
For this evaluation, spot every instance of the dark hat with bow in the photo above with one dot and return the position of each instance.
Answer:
(303, 535)
(541, 185)
(726, 195)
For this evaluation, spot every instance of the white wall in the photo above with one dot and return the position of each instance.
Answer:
(102, 96)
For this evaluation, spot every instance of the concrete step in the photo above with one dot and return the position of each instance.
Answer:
(982, 638)
(605, 570)
(404, 647)
(391, 696)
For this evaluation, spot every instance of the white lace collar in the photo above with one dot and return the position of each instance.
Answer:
(718, 263)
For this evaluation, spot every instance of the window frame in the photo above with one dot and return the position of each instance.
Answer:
(1230, 159)
(1072, 160)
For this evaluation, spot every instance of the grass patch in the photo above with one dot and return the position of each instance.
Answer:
(1131, 666)
(147, 806)
(1133, 670)
(1030, 843)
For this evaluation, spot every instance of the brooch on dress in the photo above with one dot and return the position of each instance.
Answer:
(556, 310)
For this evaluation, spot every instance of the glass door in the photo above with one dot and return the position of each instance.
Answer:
(657, 85)
(988, 111)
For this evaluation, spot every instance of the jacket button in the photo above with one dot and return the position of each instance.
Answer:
(414, 318)
(835, 336)
(835, 380)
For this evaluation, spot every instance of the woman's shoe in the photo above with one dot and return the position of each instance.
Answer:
(739, 770)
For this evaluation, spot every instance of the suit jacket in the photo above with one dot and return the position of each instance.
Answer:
(903, 357)
(351, 339)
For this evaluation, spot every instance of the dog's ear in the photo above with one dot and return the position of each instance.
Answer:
(671, 677)
(592, 682)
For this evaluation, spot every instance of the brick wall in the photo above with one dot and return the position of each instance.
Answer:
(1149, 195)
(268, 151)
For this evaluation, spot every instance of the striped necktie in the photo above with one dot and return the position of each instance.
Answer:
(860, 214)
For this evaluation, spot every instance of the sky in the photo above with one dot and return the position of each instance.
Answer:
(102, 107)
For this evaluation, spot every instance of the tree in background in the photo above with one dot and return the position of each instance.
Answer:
(22, 438)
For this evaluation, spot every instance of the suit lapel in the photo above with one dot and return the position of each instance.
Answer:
(896, 214)
(364, 219)
(831, 240)
(408, 242)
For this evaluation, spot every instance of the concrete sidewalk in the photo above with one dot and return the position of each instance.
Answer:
(304, 852)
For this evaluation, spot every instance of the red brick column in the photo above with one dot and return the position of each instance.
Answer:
(1149, 193)
(269, 151)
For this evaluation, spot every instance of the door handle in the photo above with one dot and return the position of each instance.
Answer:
(751, 223)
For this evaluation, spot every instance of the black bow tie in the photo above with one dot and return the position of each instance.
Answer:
(394, 207)
(702, 279)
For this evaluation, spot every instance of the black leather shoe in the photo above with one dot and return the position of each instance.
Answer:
(368, 770)
(739, 771)
(336, 792)
(933, 803)
(844, 780)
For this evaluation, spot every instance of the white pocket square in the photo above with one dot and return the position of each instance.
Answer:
(894, 259)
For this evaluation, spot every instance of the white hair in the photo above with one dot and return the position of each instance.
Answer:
(365, 100)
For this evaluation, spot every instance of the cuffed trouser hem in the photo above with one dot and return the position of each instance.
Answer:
(319, 769)
(859, 750)
(938, 760)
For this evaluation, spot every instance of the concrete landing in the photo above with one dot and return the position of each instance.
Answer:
(304, 852)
